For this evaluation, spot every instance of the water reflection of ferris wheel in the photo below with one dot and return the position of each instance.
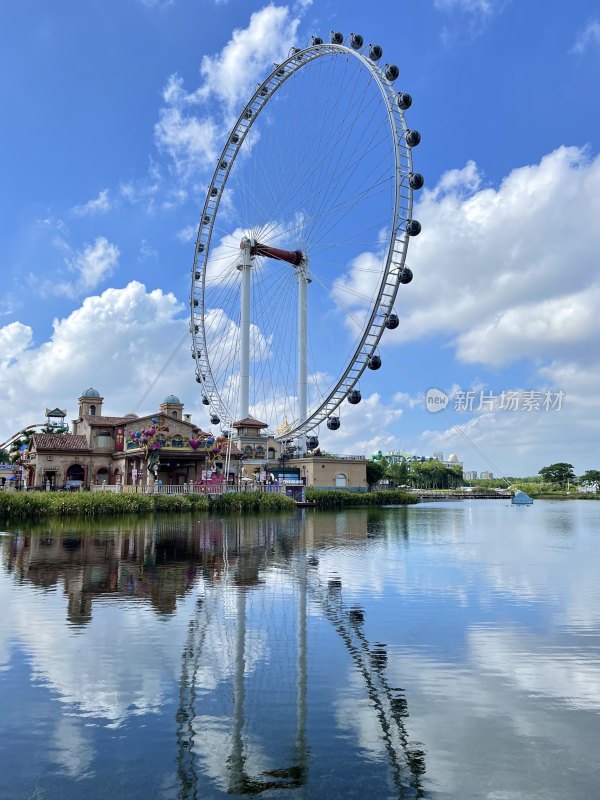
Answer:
(303, 237)
(242, 718)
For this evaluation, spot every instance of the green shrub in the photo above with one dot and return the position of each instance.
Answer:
(21, 505)
(340, 498)
(90, 504)
(250, 501)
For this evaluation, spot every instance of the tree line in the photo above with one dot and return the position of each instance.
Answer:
(436, 475)
(417, 474)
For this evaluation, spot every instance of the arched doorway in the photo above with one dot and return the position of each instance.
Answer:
(341, 481)
(49, 479)
(102, 475)
(75, 473)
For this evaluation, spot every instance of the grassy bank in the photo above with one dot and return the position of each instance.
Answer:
(21, 505)
(251, 501)
(24, 505)
(339, 498)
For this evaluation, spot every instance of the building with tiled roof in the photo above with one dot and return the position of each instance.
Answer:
(103, 449)
(109, 450)
(41, 442)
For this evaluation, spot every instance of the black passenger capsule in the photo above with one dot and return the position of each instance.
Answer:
(333, 423)
(354, 397)
(413, 138)
(392, 72)
(375, 52)
(374, 362)
(405, 275)
(404, 100)
(356, 41)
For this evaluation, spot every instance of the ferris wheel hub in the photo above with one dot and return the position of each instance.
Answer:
(294, 257)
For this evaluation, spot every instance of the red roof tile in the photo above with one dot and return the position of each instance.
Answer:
(53, 441)
(91, 419)
(249, 422)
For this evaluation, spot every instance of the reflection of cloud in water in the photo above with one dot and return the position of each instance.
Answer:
(497, 703)
(115, 667)
(71, 750)
(534, 666)
(355, 713)
(214, 743)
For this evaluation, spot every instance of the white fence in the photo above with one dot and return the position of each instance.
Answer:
(198, 488)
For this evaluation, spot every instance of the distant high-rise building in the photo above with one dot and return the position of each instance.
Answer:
(486, 476)
(438, 456)
(470, 476)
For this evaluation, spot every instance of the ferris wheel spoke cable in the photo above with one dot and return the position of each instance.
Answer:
(283, 358)
(161, 370)
(346, 205)
(446, 415)
(300, 162)
(350, 203)
(262, 193)
(338, 177)
(308, 175)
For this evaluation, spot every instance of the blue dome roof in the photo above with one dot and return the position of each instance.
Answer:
(90, 393)
(171, 398)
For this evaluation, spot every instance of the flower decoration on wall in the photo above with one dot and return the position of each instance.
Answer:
(216, 448)
(150, 440)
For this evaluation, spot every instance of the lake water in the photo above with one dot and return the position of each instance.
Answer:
(447, 650)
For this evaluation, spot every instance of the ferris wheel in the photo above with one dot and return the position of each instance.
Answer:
(302, 242)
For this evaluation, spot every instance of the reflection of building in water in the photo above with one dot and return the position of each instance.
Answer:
(157, 560)
(244, 663)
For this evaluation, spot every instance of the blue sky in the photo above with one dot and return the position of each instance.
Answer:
(113, 115)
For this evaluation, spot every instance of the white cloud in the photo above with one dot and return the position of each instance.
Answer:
(117, 341)
(147, 252)
(160, 4)
(232, 74)
(186, 131)
(189, 141)
(528, 247)
(484, 7)
(364, 429)
(14, 339)
(589, 37)
(101, 204)
(187, 234)
(549, 328)
(90, 266)
(143, 190)
(469, 17)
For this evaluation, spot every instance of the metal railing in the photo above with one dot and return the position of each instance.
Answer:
(206, 488)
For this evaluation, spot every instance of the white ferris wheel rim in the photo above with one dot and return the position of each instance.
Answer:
(396, 247)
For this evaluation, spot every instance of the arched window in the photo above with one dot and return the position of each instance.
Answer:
(271, 454)
(174, 414)
(93, 411)
(102, 475)
(260, 451)
(341, 481)
(247, 451)
(176, 441)
(75, 473)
